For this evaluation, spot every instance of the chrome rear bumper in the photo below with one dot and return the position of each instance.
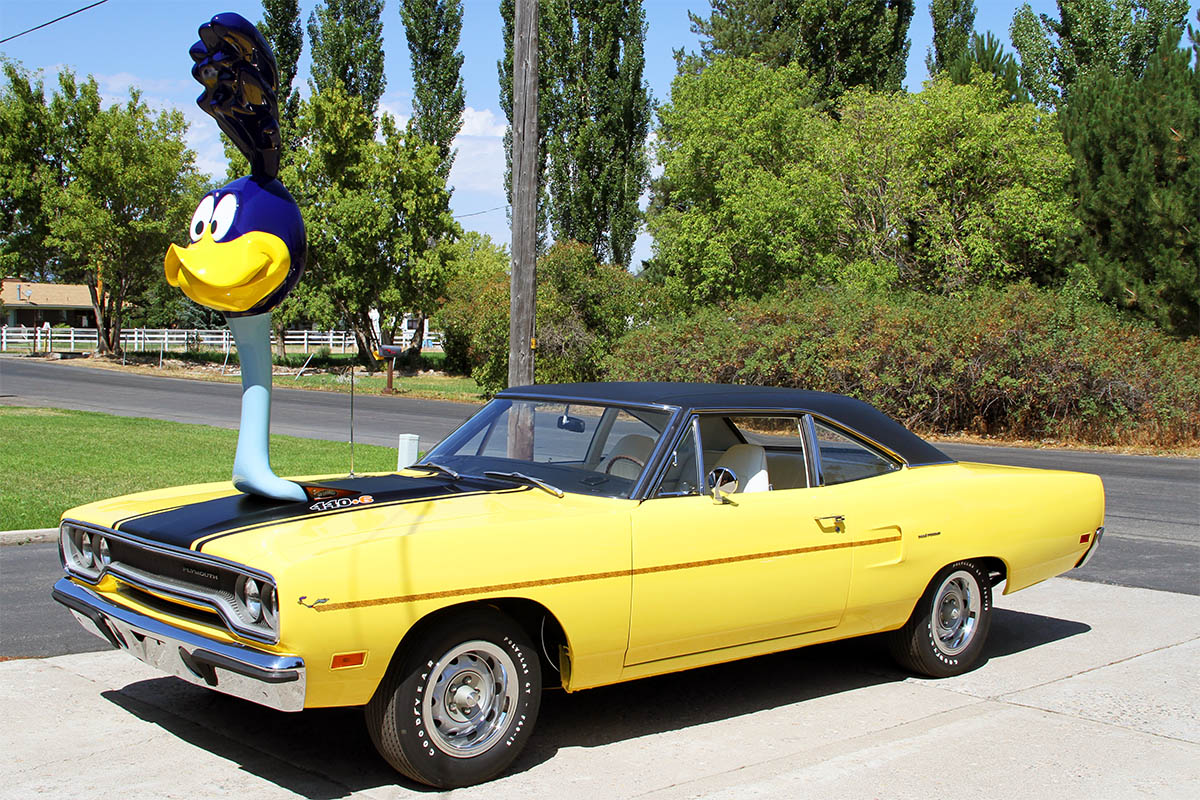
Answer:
(1092, 548)
(270, 679)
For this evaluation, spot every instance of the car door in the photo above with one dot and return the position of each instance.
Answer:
(709, 575)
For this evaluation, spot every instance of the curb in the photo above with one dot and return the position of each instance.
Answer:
(28, 536)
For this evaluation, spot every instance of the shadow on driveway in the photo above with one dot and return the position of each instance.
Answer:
(323, 754)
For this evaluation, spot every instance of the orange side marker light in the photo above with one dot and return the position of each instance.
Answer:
(1084, 539)
(345, 660)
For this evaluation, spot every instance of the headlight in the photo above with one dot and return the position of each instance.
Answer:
(252, 599)
(270, 605)
(103, 555)
(89, 555)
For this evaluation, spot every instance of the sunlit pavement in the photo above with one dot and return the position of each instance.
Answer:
(1089, 691)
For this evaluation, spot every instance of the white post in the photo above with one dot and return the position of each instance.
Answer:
(72, 340)
(306, 340)
(406, 450)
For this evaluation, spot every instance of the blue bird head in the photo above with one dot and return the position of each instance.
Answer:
(247, 248)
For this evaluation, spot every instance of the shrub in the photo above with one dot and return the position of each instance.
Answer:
(583, 307)
(1018, 361)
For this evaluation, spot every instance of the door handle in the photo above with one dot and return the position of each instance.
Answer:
(839, 521)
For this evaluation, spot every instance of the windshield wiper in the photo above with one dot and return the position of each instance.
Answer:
(521, 477)
(435, 467)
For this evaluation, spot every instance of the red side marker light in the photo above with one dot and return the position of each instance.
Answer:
(343, 660)
(1084, 539)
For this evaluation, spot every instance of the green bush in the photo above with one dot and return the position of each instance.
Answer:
(1018, 361)
(583, 307)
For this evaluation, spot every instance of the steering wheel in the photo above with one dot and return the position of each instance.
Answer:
(608, 468)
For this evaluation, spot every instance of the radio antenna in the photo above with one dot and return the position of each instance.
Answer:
(351, 475)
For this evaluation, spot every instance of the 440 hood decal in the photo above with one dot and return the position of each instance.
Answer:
(195, 524)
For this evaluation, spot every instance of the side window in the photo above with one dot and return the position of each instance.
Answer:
(783, 441)
(844, 459)
(681, 476)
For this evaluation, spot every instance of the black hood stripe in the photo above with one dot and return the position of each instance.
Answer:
(191, 525)
(199, 544)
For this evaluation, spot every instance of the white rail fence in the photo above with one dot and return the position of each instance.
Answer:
(137, 340)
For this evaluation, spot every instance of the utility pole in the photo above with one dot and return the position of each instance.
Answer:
(524, 193)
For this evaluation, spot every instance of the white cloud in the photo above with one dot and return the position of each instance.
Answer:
(482, 123)
(479, 166)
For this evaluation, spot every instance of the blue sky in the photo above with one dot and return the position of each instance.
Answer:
(144, 43)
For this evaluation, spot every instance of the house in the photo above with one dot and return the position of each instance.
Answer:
(32, 304)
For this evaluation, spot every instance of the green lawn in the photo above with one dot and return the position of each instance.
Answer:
(52, 459)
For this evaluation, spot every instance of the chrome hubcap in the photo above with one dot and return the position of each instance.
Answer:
(469, 698)
(956, 609)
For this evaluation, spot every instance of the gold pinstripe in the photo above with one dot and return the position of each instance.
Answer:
(593, 576)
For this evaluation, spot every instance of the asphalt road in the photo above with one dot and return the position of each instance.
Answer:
(1152, 522)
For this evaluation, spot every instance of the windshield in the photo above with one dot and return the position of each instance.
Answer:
(582, 448)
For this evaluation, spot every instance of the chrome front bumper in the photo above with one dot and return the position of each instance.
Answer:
(269, 679)
(1092, 548)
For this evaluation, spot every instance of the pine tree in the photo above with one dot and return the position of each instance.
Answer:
(1136, 146)
(347, 46)
(844, 43)
(986, 54)
(953, 25)
(433, 28)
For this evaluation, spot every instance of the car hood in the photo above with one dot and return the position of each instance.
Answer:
(195, 516)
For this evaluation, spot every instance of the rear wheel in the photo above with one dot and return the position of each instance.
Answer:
(946, 633)
(459, 704)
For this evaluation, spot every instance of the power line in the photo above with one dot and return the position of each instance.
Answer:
(51, 22)
(477, 213)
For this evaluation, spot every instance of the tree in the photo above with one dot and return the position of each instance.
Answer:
(940, 191)
(281, 28)
(1136, 150)
(374, 207)
(28, 145)
(347, 48)
(953, 25)
(505, 69)
(949, 189)
(842, 43)
(599, 117)
(1118, 35)
(433, 28)
(593, 120)
(987, 55)
(583, 308)
(742, 205)
(127, 187)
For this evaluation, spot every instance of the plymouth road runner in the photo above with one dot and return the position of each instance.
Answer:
(575, 535)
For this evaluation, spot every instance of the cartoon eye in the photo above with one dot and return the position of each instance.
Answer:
(201, 217)
(222, 218)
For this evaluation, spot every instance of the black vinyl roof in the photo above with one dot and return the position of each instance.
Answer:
(853, 414)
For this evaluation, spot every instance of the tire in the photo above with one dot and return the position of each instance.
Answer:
(482, 659)
(947, 631)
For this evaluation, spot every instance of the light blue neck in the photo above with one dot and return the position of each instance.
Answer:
(252, 465)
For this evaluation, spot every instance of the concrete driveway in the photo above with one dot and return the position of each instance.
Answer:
(1089, 691)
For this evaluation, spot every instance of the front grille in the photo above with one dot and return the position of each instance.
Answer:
(174, 581)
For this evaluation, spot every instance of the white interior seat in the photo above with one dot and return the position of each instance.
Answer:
(631, 445)
(749, 464)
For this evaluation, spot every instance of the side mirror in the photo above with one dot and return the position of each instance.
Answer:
(723, 481)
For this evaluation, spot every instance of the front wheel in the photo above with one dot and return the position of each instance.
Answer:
(946, 633)
(458, 706)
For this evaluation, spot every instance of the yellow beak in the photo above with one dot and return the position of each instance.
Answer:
(229, 276)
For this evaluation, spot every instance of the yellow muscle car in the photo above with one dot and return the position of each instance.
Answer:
(575, 534)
